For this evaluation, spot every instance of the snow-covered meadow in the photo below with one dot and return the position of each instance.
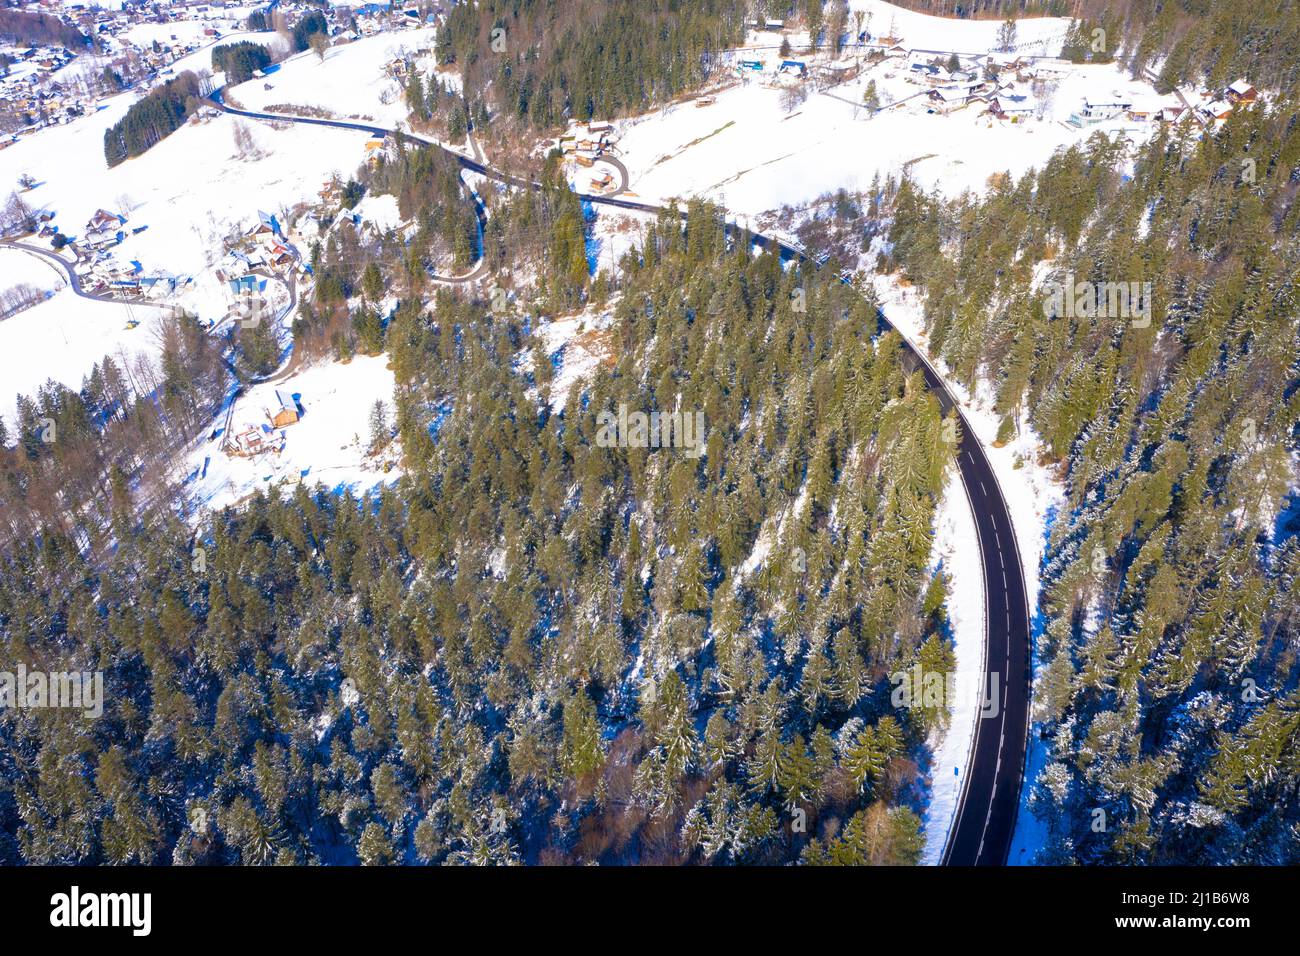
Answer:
(1034, 36)
(350, 82)
(330, 444)
(62, 337)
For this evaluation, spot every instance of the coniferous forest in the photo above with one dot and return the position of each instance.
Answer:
(531, 648)
(1169, 683)
(544, 62)
(535, 648)
(239, 60)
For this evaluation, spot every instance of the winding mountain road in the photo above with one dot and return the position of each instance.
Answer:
(985, 818)
(74, 280)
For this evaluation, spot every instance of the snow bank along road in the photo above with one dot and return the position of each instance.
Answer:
(986, 813)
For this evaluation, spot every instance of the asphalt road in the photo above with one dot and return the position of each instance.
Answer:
(74, 280)
(986, 813)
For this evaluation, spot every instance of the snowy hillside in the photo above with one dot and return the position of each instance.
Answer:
(353, 80)
(755, 148)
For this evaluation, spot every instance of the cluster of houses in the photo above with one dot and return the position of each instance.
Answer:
(100, 271)
(36, 91)
(585, 143)
(782, 70)
(31, 96)
(785, 69)
(1207, 108)
(1215, 106)
(258, 248)
(348, 23)
(999, 84)
(39, 89)
(262, 437)
(128, 281)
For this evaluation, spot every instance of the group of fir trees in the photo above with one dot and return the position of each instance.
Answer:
(152, 118)
(541, 63)
(239, 60)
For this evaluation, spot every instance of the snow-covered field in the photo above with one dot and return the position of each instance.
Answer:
(64, 336)
(189, 193)
(377, 213)
(1036, 35)
(329, 444)
(179, 31)
(189, 190)
(748, 152)
(88, 65)
(18, 267)
(350, 82)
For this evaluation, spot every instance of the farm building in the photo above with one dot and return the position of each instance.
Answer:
(254, 441)
(1099, 110)
(838, 71)
(103, 229)
(266, 225)
(1145, 109)
(1219, 109)
(286, 411)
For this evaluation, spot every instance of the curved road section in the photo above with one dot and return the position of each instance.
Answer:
(986, 812)
(985, 820)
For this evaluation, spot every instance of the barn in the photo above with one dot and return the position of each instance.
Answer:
(286, 410)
